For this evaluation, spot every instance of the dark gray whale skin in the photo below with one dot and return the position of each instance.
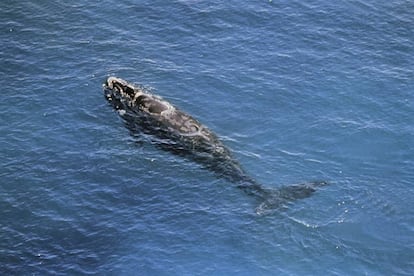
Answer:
(176, 131)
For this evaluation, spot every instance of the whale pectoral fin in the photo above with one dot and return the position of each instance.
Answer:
(278, 198)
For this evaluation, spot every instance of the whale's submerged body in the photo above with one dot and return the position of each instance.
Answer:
(176, 131)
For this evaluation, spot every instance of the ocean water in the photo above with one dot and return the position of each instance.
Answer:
(299, 90)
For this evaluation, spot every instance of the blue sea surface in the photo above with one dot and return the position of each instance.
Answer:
(299, 90)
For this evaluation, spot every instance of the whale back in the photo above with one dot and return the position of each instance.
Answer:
(176, 131)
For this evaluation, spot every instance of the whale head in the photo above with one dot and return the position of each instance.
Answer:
(120, 93)
(120, 88)
(126, 97)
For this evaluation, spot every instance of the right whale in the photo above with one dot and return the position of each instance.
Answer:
(176, 131)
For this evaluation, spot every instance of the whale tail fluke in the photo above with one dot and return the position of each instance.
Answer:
(277, 198)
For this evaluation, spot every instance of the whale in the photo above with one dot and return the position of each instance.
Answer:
(173, 130)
